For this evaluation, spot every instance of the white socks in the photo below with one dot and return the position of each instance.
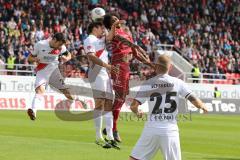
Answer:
(38, 100)
(98, 114)
(109, 124)
(98, 123)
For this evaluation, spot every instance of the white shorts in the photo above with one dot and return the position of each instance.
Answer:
(51, 76)
(152, 141)
(102, 87)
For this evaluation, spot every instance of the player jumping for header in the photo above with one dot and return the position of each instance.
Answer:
(46, 53)
(94, 46)
(123, 49)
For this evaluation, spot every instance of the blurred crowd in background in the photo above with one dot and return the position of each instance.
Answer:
(207, 32)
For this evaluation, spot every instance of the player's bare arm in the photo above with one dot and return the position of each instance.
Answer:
(142, 57)
(66, 57)
(197, 103)
(32, 58)
(134, 108)
(98, 61)
(132, 45)
(139, 53)
(92, 57)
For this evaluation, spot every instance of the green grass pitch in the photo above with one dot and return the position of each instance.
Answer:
(206, 137)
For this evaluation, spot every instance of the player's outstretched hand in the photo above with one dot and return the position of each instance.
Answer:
(37, 60)
(140, 114)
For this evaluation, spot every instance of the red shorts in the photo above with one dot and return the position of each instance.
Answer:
(121, 80)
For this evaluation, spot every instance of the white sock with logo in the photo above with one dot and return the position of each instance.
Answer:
(98, 123)
(109, 124)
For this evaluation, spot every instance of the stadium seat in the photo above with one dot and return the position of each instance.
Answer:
(232, 75)
(229, 81)
(228, 75)
(225, 81)
(222, 81)
(236, 76)
(205, 81)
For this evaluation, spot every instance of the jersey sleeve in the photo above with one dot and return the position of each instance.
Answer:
(36, 49)
(142, 94)
(64, 50)
(184, 90)
(89, 46)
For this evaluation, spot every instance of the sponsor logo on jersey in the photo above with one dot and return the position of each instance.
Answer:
(49, 58)
(89, 47)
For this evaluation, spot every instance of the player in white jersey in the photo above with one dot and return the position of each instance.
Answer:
(46, 53)
(161, 130)
(94, 46)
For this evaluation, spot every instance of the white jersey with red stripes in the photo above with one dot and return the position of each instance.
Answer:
(94, 45)
(48, 56)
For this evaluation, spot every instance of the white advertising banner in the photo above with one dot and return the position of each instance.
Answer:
(206, 90)
(16, 93)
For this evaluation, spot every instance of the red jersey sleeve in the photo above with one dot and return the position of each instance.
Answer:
(119, 49)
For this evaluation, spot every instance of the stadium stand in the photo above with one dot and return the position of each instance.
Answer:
(206, 32)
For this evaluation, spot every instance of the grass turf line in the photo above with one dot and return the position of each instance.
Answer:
(206, 137)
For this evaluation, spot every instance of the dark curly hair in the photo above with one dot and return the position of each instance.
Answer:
(108, 20)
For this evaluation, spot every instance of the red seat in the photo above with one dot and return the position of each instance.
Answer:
(228, 75)
(229, 81)
(232, 75)
(225, 81)
(222, 82)
(216, 82)
(238, 76)
(205, 81)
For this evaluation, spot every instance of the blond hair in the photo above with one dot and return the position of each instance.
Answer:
(163, 63)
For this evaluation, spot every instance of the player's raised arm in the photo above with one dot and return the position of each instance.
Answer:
(66, 57)
(197, 103)
(138, 52)
(65, 54)
(142, 57)
(33, 56)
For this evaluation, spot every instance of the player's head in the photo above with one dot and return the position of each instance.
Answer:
(109, 19)
(96, 28)
(163, 64)
(58, 40)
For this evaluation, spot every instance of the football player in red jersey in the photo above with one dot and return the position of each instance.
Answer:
(123, 50)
